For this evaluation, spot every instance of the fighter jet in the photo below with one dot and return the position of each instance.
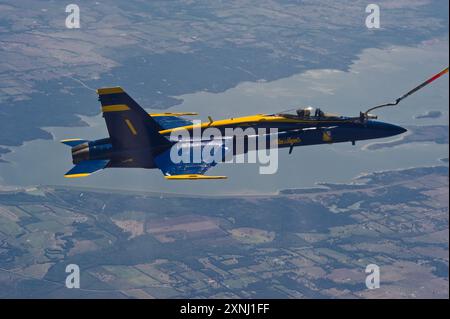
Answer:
(138, 139)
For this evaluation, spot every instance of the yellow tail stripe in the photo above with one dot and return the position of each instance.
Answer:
(115, 108)
(131, 127)
(112, 90)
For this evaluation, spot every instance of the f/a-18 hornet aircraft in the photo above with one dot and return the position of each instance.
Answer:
(138, 139)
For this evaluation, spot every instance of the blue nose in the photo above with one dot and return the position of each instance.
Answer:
(393, 129)
(381, 129)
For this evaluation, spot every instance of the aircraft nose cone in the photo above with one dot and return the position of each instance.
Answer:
(402, 130)
(381, 129)
(387, 129)
(395, 130)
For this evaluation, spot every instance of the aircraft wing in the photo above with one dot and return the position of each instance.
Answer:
(191, 170)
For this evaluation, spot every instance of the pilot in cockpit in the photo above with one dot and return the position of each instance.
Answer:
(304, 113)
(308, 112)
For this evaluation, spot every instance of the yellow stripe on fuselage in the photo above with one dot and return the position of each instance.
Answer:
(258, 118)
(115, 108)
(193, 176)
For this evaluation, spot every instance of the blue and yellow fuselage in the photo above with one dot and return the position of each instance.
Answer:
(301, 132)
(139, 139)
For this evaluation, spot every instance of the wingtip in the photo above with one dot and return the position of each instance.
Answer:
(193, 177)
(76, 175)
(72, 141)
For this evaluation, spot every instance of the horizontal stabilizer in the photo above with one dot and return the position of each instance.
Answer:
(73, 142)
(86, 168)
(171, 120)
(193, 176)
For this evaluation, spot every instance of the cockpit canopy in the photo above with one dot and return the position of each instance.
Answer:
(307, 113)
